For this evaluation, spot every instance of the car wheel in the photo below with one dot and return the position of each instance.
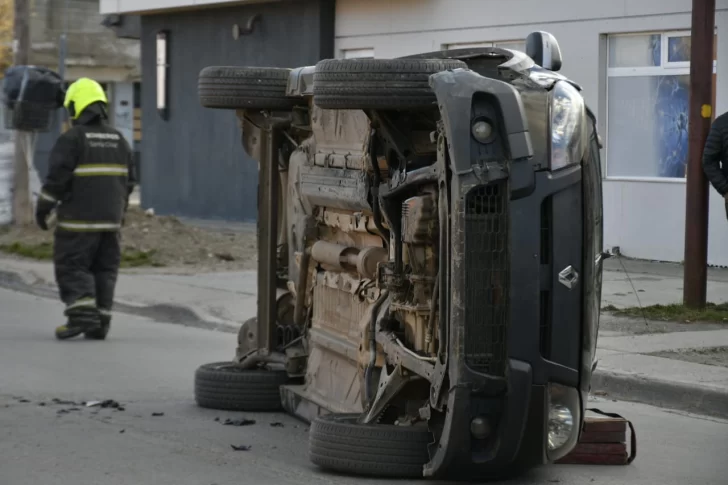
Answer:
(227, 386)
(339, 443)
(378, 84)
(231, 87)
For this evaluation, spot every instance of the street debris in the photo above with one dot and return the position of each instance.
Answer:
(64, 402)
(156, 415)
(239, 422)
(276, 425)
(241, 447)
(41, 404)
(122, 431)
(106, 404)
(23, 400)
(217, 420)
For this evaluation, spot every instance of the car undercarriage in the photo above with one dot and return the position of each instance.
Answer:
(421, 259)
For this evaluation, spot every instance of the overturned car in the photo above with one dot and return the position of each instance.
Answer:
(429, 238)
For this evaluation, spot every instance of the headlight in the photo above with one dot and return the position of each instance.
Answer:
(561, 426)
(567, 125)
(563, 421)
(483, 130)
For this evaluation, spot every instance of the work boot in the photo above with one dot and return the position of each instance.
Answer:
(99, 333)
(79, 321)
(74, 328)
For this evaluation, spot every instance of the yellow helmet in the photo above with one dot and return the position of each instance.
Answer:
(81, 94)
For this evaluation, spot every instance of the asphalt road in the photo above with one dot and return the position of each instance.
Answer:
(148, 368)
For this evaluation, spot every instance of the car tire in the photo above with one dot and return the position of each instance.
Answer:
(378, 84)
(232, 87)
(338, 443)
(227, 386)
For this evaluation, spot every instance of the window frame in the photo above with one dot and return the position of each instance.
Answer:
(665, 69)
(665, 53)
(345, 52)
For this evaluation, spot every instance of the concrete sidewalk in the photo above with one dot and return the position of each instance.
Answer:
(631, 283)
(626, 371)
(212, 300)
(222, 301)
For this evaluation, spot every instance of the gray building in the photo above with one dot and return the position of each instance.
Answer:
(193, 162)
(631, 57)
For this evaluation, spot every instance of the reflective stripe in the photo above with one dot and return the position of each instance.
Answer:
(106, 313)
(88, 226)
(100, 170)
(83, 302)
(45, 195)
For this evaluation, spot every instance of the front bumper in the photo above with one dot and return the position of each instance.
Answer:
(520, 431)
(496, 366)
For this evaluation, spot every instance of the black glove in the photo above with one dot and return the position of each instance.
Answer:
(42, 209)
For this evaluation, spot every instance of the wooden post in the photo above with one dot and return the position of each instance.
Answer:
(22, 204)
(700, 115)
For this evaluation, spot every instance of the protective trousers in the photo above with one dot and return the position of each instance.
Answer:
(86, 267)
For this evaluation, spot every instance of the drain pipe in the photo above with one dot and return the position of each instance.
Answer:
(373, 347)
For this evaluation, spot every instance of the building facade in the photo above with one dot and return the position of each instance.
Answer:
(92, 50)
(632, 59)
(195, 165)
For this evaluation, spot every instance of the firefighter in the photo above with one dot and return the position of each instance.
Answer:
(90, 178)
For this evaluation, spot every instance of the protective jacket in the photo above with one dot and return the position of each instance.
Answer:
(715, 155)
(91, 175)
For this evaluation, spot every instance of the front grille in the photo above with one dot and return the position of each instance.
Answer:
(545, 296)
(487, 277)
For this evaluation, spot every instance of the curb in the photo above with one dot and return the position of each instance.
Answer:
(163, 313)
(693, 398)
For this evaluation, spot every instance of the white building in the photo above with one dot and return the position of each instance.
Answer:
(631, 57)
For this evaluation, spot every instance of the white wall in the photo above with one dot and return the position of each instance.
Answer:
(122, 110)
(646, 219)
(7, 171)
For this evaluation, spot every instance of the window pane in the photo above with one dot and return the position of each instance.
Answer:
(514, 46)
(678, 49)
(648, 126)
(635, 50)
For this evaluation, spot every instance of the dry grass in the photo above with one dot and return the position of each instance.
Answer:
(152, 241)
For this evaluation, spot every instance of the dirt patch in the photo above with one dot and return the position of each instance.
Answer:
(712, 312)
(717, 356)
(640, 326)
(160, 241)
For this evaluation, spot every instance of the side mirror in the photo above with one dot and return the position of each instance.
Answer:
(543, 48)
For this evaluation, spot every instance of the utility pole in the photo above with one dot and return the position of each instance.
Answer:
(62, 52)
(700, 117)
(22, 206)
